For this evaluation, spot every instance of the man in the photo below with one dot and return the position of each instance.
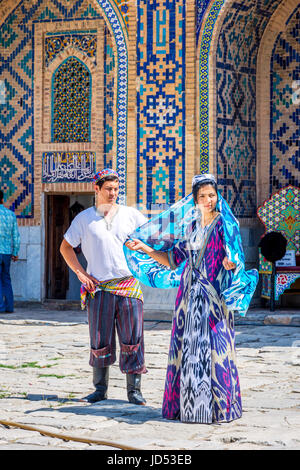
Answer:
(9, 248)
(114, 297)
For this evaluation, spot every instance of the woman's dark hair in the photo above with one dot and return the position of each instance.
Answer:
(197, 186)
(1, 195)
(106, 178)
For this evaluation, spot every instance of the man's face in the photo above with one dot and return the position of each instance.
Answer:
(108, 192)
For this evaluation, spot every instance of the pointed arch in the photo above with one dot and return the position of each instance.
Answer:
(227, 89)
(71, 82)
(267, 85)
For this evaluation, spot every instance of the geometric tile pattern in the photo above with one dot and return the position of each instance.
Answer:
(237, 48)
(17, 72)
(284, 110)
(71, 102)
(109, 86)
(281, 213)
(160, 102)
(204, 48)
(68, 167)
(16, 117)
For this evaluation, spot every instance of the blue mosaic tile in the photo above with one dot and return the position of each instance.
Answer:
(18, 110)
(238, 44)
(160, 102)
(71, 102)
(284, 110)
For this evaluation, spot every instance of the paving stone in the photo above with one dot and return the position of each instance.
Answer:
(44, 373)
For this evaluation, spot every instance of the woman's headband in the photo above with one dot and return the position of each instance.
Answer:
(205, 177)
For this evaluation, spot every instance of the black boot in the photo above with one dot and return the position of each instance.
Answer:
(134, 389)
(100, 381)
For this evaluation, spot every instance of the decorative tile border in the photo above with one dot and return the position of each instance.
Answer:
(109, 99)
(122, 94)
(206, 38)
(160, 103)
(201, 6)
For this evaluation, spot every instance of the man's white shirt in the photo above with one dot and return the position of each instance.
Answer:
(103, 248)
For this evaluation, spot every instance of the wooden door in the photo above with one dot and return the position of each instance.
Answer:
(57, 224)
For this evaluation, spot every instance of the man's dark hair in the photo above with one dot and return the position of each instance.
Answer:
(203, 183)
(106, 178)
(1, 195)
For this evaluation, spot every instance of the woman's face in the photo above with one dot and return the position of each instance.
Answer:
(207, 199)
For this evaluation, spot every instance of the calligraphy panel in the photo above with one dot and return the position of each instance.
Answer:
(68, 167)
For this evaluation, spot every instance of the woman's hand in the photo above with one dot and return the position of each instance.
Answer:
(135, 245)
(159, 256)
(228, 265)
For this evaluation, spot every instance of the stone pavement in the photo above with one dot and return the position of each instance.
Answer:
(44, 372)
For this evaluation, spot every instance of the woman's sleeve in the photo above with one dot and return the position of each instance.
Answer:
(178, 254)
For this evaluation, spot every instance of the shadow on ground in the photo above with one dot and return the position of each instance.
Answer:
(118, 410)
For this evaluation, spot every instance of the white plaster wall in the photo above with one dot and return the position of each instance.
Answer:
(27, 272)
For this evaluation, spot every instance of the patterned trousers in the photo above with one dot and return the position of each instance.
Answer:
(108, 313)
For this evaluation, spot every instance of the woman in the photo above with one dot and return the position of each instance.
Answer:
(202, 383)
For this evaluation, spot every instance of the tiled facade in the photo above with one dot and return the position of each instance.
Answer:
(169, 88)
(71, 92)
(161, 102)
(284, 112)
(236, 57)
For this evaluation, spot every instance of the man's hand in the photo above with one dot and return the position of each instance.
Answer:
(14, 258)
(87, 279)
(70, 258)
(228, 265)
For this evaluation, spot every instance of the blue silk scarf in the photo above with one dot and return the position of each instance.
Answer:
(164, 231)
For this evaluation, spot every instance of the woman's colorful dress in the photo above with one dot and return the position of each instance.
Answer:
(202, 383)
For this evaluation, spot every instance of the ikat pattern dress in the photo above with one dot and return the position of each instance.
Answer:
(202, 383)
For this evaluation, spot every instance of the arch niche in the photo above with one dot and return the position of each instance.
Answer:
(230, 38)
(277, 124)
